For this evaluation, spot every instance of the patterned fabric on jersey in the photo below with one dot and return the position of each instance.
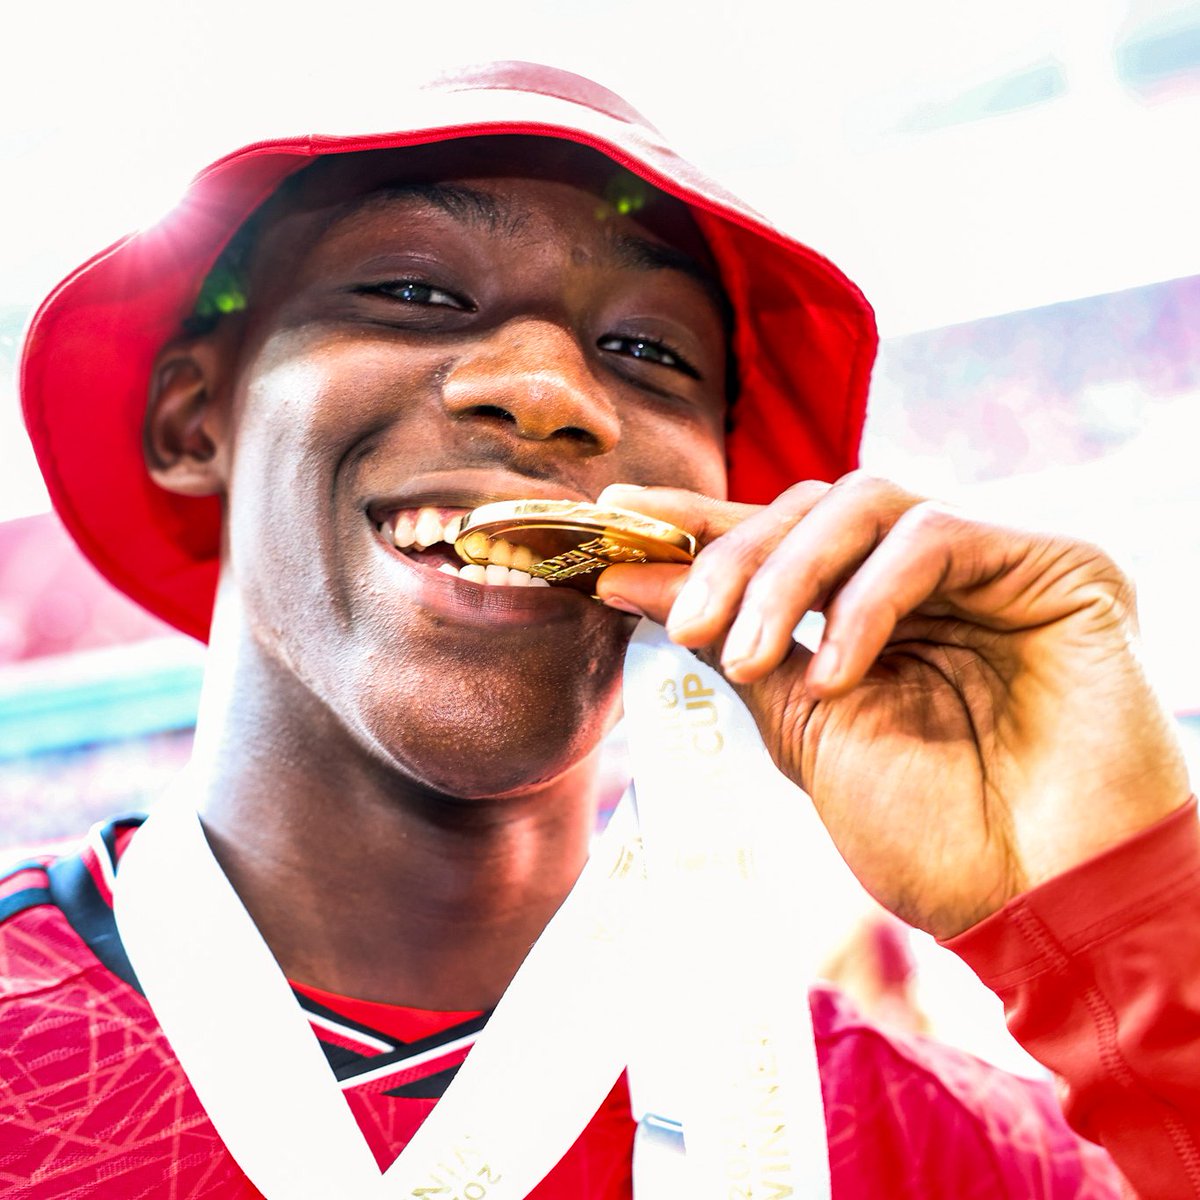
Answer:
(94, 1105)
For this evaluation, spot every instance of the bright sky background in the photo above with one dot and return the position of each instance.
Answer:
(109, 107)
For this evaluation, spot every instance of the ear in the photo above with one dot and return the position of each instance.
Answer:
(185, 436)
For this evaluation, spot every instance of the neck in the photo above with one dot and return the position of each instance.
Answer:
(361, 881)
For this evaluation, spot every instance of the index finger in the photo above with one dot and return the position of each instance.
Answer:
(735, 538)
(702, 516)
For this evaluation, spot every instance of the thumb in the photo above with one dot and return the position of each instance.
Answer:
(644, 589)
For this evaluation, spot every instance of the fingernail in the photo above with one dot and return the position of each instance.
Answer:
(690, 605)
(620, 487)
(826, 665)
(619, 602)
(743, 639)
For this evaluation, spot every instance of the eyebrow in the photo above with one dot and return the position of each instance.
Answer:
(645, 255)
(474, 207)
(490, 212)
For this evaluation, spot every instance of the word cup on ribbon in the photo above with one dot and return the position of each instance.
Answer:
(730, 936)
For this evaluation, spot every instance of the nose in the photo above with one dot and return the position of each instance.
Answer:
(534, 377)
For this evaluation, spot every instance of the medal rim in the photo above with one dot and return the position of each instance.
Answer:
(662, 541)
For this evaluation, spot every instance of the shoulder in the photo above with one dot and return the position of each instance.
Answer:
(56, 927)
(38, 948)
(78, 1043)
(944, 1120)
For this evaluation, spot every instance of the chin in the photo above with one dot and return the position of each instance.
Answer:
(492, 734)
(479, 765)
(515, 777)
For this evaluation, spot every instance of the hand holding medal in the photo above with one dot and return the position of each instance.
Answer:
(975, 719)
(697, 810)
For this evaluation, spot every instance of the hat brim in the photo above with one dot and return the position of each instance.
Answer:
(804, 337)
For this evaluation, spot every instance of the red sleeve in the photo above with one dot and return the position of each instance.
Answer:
(1099, 971)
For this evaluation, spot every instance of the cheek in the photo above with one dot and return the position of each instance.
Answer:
(716, 473)
(669, 452)
(282, 412)
(289, 528)
(277, 471)
(308, 405)
(311, 394)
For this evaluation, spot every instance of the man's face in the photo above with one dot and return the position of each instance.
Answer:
(480, 332)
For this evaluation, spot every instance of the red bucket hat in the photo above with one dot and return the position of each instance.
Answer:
(804, 336)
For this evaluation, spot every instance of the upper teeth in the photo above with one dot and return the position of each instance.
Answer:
(507, 565)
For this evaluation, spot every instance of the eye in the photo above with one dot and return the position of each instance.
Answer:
(648, 350)
(413, 291)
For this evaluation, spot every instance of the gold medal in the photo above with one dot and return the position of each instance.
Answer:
(571, 542)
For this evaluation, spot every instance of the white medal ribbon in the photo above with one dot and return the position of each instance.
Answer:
(735, 951)
(222, 1002)
(719, 951)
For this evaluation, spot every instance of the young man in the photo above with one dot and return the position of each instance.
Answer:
(274, 410)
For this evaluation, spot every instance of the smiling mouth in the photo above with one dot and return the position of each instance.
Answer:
(426, 536)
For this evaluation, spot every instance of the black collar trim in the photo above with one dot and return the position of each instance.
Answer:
(74, 891)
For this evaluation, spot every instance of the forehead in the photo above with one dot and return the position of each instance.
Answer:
(516, 187)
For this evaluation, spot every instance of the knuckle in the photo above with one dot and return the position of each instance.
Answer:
(765, 586)
(1108, 589)
(859, 481)
(871, 488)
(783, 578)
(805, 494)
(734, 552)
(743, 548)
(927, 519)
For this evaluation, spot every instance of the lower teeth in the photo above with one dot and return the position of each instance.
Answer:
(493, 575)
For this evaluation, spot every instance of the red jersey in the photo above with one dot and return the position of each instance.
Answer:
(95, 1106)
